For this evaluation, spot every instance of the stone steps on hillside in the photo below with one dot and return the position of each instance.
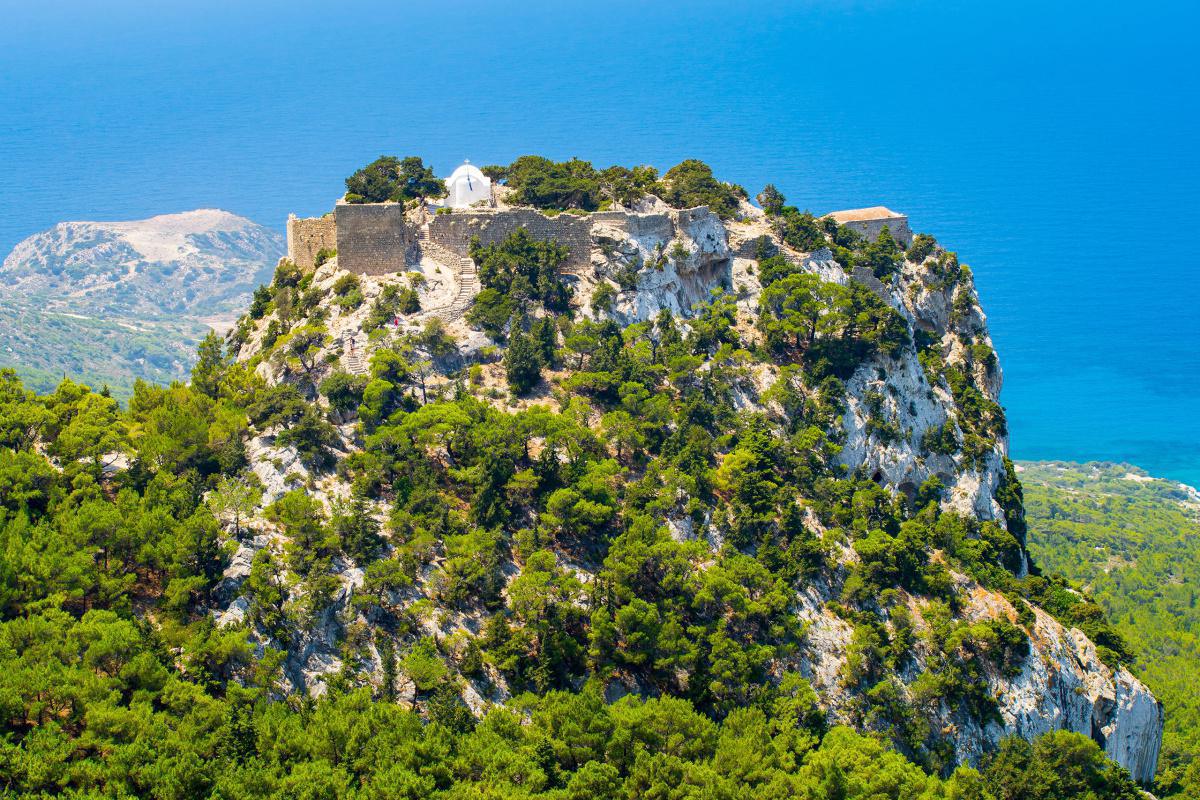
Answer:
(464, 272)
(355, 359)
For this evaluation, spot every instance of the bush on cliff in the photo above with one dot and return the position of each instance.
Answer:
(691, 183)
(626, 186)
(518, 274)
(522, 361)
(830, 328)
(576, 185)
(800, 229)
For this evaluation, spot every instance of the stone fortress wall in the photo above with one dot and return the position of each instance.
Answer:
(306, 237)
(374, 238)
(377, 239)
(897, 226)
(633, 224)
(455, 231)
(870, 222)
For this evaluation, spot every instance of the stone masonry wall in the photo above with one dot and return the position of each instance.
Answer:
(636, 225)
(454, 231)
(871, 228)
(374, 238)
(305, 237)
(752, 247)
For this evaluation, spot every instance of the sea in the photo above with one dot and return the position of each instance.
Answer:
(1053, 145)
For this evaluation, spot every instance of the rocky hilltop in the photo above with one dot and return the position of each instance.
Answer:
(794, 429)
(113, 301)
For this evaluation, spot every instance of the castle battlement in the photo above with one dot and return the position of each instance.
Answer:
(383, 238)
(308, 236)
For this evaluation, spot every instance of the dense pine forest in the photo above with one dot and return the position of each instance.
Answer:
(112, 685)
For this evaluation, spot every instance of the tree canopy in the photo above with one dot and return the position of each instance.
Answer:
(390, 179)
(576, 184)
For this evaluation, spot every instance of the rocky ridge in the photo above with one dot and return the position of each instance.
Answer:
(198, 263)
(114, 301)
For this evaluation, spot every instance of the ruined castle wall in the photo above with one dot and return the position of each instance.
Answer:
(871, 228)
(455, 231)
(374, 238)
(306, 237)
(638, 226)
(754, 246)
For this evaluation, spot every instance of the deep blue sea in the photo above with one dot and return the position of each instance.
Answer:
(1053, 145)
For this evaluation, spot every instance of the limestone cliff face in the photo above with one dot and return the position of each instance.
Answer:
(1062, 683)
(679, 258)
(907, 419)
(682, 256)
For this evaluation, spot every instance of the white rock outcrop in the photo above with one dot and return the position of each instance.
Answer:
(278, 468)
(679, 256)
(1062, 685)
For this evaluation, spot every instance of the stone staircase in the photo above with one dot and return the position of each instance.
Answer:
(464, 270)
(355, 359)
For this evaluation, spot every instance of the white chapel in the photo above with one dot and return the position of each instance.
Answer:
(467, 186)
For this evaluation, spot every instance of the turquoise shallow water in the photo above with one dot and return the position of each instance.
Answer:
(1053, 146)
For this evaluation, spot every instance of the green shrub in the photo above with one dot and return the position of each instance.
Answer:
(542, 183)
(515, 273)
(800, 229)
(323, 255)
(691, 183)
(921, 248)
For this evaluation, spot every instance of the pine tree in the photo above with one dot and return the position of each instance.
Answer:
(210, 367)
(522, 364)
(771, 199)
(546, 336)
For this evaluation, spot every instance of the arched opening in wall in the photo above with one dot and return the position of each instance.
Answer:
(723, 273)
(909, 491)
(1097, 731)
(877, 477)
(726, 273)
